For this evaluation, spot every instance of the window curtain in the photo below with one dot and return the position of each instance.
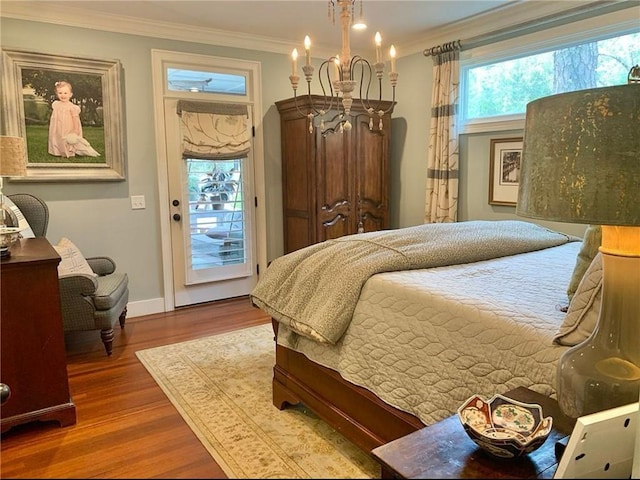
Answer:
(442, 165)
(214, 131)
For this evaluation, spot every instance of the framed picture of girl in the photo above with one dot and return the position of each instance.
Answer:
(69, 111)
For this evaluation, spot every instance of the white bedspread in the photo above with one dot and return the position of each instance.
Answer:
(426, 340)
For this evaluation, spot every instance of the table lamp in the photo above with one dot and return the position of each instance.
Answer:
(581, 164)
(12, 164)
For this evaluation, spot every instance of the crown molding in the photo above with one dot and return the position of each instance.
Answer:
(507, 17)
(47, 12)
(516, 20)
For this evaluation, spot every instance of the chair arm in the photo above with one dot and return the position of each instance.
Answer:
(77, 285)
(102, 265)
(76, 298)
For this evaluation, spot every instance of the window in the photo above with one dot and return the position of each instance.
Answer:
(495, 91)
(181, 80)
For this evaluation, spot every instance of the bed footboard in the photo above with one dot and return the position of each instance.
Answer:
(352, 410)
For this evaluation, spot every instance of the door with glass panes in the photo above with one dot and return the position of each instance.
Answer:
(210, 179)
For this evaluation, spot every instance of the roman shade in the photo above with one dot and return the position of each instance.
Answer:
(216, 131)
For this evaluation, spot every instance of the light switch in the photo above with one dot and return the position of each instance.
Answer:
(137, 202)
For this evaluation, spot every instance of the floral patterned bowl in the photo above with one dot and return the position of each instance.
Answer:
(8, 235)
(504, 427)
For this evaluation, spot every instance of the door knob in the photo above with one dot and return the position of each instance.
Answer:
(176, 217)
(175, 203)
(5, 393)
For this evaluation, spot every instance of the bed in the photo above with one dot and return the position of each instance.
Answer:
(410, 335)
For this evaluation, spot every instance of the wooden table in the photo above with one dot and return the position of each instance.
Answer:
(33, 363)
(444, 450)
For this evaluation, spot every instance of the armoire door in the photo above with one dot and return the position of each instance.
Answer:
(334, 185)
(370, 160)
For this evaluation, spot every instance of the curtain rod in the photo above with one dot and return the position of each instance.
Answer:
(549, 21)
(445, 47)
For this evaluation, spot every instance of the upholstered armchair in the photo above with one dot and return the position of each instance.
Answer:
(37, 210)
(89, 302)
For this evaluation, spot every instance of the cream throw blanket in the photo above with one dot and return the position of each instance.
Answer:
(314, 290)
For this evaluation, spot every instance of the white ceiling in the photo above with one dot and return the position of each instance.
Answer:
(279, 26)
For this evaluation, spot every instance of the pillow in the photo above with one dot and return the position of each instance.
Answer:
(25, 228)
(583, 311)
(590, 244)
(73, 261)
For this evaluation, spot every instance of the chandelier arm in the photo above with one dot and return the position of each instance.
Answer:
(364, 98)
(308, 72)
(393, 94)
(332, 97)
(313, 112)
(325, 64)
(295, 101)
(318, 110)
(328, 100)
(393, 99)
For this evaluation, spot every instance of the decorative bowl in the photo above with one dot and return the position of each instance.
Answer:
(8, 236)
(504, 427)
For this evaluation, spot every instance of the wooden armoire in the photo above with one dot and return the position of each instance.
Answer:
(335, 182)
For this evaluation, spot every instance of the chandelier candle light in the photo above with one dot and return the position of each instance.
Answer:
(340, 73)
(581, 164)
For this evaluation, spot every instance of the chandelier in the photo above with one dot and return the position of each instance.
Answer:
(339, 76)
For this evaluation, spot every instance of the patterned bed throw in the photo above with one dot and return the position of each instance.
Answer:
(314, 290)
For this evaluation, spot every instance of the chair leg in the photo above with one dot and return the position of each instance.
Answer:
(107, 338)
(122, 317)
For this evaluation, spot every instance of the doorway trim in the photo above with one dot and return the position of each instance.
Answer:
(159, 61)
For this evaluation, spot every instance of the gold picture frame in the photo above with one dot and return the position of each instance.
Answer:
(504, 170)
(29, 84)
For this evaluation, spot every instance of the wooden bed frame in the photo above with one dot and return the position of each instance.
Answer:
(352, 410)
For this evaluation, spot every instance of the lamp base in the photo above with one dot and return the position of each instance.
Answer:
(590, 388)
(603, 372)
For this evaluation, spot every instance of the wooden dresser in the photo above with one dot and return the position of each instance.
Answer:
(334, 183)
(33, 353)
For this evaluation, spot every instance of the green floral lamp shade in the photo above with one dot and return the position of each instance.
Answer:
(581, 157)
(581, 164)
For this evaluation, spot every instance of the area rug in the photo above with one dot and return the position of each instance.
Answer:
(221, 385)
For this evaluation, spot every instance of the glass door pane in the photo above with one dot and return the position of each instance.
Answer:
(217, 234)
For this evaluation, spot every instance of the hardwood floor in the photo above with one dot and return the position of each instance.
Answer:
(126, 427)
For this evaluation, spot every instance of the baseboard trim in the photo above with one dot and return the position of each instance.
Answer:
(144, 307)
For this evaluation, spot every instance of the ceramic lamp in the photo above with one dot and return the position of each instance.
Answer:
(581, 164)
(12, 164)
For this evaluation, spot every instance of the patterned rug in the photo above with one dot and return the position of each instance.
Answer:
(221, 385)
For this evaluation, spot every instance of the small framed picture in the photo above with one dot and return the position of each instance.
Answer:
(504, 170)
